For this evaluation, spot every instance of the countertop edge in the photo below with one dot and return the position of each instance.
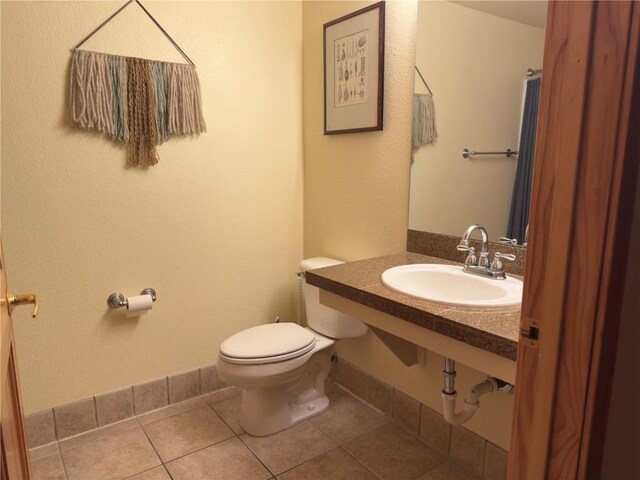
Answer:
(436, 322)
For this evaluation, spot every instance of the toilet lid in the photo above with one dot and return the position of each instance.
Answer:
(266, 341)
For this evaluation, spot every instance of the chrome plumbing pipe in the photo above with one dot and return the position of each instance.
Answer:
(449, 374)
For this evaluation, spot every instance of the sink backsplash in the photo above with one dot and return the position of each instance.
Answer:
(444, 246)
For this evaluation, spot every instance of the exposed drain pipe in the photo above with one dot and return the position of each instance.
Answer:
(472, 401)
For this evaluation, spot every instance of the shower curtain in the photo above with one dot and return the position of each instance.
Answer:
(521, 198)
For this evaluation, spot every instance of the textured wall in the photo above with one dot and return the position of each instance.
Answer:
(477, 82)
(357, 199)
(215, 227)
(356, 185)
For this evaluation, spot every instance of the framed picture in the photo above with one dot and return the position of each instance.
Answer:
(354, 71)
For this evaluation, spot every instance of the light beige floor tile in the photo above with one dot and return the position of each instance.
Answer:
(229, 410)
(289, 448)
(393, 453)
(170, 411)
(226, 460)
(114, 457)
(48, 468)
(157, 473)
(187, 432)
(336, 464)
(43, 451)
(98, 433)
(448, 471)
(347, 417)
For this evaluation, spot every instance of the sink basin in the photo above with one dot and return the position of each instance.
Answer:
(449, 285)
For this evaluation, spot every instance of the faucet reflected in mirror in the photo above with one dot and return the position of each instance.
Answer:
(487, 99)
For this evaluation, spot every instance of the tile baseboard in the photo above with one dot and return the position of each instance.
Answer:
(64, 421)
(464, 446)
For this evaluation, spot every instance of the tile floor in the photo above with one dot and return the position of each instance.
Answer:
(202, 439)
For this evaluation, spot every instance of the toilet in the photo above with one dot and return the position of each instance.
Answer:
(282, 367)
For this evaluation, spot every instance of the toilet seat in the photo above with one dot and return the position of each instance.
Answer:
(275, 342)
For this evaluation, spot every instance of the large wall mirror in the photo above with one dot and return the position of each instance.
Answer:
(481, 60)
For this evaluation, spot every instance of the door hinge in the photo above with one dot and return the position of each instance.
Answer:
(529, 331)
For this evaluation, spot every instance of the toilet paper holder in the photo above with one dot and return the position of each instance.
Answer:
(117, 300)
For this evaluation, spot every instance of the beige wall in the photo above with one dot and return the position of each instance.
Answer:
(356, 199)
(356, 185)
(215, 227)
(475, 64)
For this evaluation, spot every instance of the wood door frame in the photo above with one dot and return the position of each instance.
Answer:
(586, 168)
(14, 452)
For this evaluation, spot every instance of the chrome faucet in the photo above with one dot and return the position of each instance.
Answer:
(480, 266)
(463, 246)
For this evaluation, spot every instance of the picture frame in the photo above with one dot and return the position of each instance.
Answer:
(354, 71)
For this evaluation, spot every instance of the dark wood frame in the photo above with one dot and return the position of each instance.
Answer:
(585, 177)
(380, 99)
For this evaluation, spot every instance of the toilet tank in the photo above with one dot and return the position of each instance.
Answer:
(325, 320)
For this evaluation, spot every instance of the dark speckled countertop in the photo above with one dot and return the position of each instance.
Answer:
(493, 330)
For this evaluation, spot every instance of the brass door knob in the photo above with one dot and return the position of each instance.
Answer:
(28, 299)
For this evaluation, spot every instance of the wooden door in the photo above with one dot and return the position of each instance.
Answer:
(584, 184)
(15, 455)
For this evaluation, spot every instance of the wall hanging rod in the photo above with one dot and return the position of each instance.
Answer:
(466, 153)
(423, 80)
(149, 15)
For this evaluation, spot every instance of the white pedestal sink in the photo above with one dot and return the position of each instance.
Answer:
(449, 285)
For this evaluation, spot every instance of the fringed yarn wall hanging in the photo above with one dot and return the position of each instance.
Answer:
(138, 102)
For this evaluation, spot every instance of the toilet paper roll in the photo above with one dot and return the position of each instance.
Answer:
(139, 305)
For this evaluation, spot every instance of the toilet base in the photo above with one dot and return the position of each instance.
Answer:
(264, 411)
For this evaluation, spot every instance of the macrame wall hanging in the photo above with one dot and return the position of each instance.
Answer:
(138, 102)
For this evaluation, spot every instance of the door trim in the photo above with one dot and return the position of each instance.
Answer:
(584, 184)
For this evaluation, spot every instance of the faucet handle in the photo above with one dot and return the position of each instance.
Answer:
(508, 241)
(496, 265)
(471, 259)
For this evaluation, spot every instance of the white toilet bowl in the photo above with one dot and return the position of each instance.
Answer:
(282, 367)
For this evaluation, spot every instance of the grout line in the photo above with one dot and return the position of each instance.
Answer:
(273, 475)
(444, 460)
(195, 451)
(223, 420)
(95, 411)
(361, 463)
(168, 472)
(64, 465)
(152, 446)
(55, 424)
(145, 471)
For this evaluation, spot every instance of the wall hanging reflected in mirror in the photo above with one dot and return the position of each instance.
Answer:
(138, 102)
(354, 71)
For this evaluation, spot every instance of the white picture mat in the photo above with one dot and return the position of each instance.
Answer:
(352, 116)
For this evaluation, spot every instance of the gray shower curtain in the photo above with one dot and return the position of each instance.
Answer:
(521, 198)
